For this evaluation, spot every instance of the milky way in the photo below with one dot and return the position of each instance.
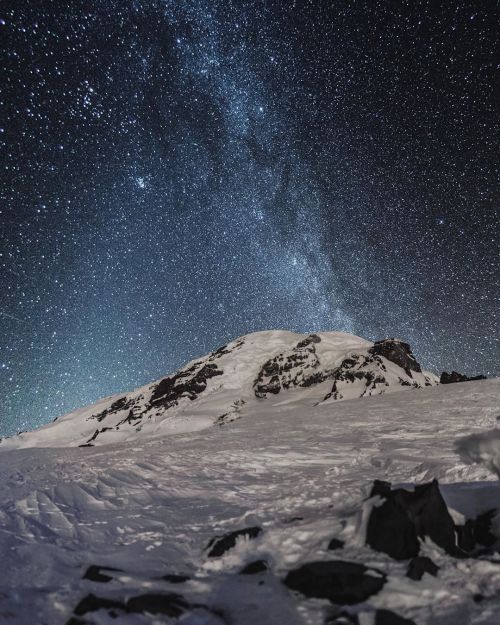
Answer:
(177, 174)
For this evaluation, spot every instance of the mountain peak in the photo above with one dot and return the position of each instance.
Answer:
(277, 366)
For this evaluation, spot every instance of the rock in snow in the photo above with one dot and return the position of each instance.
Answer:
(344, 583)
(420, 565)
(217, 547)
(270, 516)
(454, 376)
(405, 516)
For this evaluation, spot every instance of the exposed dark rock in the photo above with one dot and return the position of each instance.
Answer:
(386, 617)
(129, 419)
(259, 566)
(420, 565)
(341, 618)
(175, 579)
(397, 352)
(476, 532)
(352, 369)
(95, 573)
(341, 582)
(169, 390)
(232, 415)
(295, 368)
(382, 617)
(395, 526)
(312, 338)
(95, 435)
(389, 529)
(335, 543)
(120, 404)
(170, 604)
(226, 349)
(454, 376)
(220, 544)
(77, 621)
(91, 603)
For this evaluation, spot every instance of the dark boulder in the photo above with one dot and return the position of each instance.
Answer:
(420, 565)
(341, 582)
(335, 543)
(91, 603)
(454, 376)
(174, 579)
(220, 544)
(170, 604)
(259, 566)
(382, 617)
(95, 573)
(389, 529)
(395, 526)
(386, 617)
(477, 532)
(397, 352)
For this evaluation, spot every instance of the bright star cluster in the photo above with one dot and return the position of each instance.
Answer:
(177, 173)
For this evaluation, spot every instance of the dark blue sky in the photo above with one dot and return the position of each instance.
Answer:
(176, 174)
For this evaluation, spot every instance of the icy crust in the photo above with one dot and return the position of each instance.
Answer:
(264, 520)
(225, 384)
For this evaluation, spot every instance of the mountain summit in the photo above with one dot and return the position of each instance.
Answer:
(277, 367)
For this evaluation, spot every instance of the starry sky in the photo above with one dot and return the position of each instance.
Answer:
(178, 173)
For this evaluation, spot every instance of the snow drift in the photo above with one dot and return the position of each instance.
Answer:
(482, 448)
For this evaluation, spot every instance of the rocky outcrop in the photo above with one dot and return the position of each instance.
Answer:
(358, 368)
(454, 376)
(405, 516)
(397, 352)
(296, 368)
(400, 519)
(476, 533)
(187, 383)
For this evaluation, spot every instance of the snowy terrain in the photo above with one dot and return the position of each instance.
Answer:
(298, 464)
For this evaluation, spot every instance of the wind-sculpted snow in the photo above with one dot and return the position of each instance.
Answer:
(124, 528)
(483, 448)
(228, 384)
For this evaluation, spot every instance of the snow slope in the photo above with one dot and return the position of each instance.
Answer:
(272, 366)
(300, 471)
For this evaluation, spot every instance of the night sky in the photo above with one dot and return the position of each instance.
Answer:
(178, 173)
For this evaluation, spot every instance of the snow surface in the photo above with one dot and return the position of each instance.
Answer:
(302, 472)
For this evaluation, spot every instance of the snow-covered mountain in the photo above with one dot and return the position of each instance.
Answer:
(274, 367)
(270, 501)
